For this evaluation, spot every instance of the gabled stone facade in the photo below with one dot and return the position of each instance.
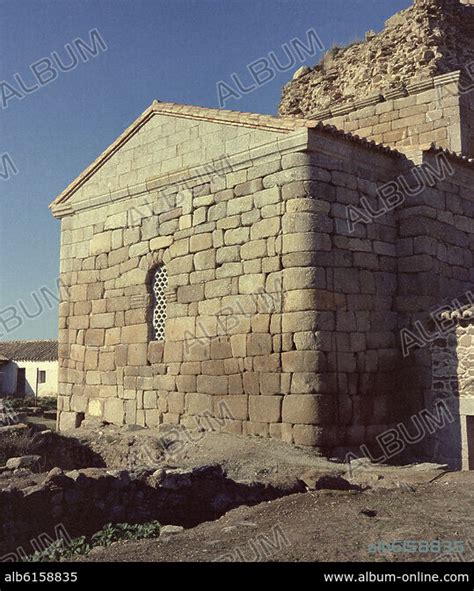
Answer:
(284, 258)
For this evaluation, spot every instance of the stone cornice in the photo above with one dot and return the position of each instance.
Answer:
(185, 179)
(389, 94)
(316, 137)
(283, 125)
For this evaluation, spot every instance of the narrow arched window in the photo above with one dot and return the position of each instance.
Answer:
(159, 285)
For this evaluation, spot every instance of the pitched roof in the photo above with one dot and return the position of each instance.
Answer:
(29, 350)
(224, 117)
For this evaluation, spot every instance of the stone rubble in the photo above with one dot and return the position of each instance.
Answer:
(431, 38)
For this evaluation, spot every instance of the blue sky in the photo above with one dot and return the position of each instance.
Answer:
(175, 50)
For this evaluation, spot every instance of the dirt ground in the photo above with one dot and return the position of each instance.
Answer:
(322, 526)
(243, 458)
(419, 502)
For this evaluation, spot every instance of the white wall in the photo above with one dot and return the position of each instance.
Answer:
(8, 383)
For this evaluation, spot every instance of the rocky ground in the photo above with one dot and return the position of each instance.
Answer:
(322, 526)
(254, 499)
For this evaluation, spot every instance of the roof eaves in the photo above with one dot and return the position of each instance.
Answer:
(463, 313)
(369, 144)
(459, 158)
(221, 116)
(45, 350)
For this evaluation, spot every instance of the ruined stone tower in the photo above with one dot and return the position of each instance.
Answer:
(406, 86)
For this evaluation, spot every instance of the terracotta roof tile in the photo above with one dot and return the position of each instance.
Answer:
(463, 313)
(29, 350)
(460, 158)
(370, 144)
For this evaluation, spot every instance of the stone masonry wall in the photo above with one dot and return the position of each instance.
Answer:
(109, 368)
(435, 262)
(265, 309)
(465, 350)
(467, 115)
(431, 113)
(281, 321)
(355, 318)
(453, 382)
(80, 502)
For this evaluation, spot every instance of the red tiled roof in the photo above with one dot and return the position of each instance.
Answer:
(29, 351)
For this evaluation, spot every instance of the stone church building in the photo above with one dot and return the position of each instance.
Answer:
(302, 277)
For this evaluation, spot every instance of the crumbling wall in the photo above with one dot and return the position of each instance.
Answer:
(80, 502)
(431, 38)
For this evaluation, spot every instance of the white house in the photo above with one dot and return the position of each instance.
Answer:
(29, 368)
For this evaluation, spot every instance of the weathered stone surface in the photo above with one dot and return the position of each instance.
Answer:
(265, 409)
(190, 293)
(170, 530)
(136, 333)
(345, 75)
(101, 243)
(161, 242)
(114, 411)
(307, 409)
(69, 420)
(28, 462)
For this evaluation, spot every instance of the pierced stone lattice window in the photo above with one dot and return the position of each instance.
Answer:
(160, 283)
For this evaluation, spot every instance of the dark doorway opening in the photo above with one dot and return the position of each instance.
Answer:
(21, 381)
(470, 442)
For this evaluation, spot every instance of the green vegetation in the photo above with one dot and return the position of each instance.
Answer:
(62, 549)
(44, 402)
(47, 402)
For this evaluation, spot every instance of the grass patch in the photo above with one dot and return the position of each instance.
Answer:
(62, 549)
